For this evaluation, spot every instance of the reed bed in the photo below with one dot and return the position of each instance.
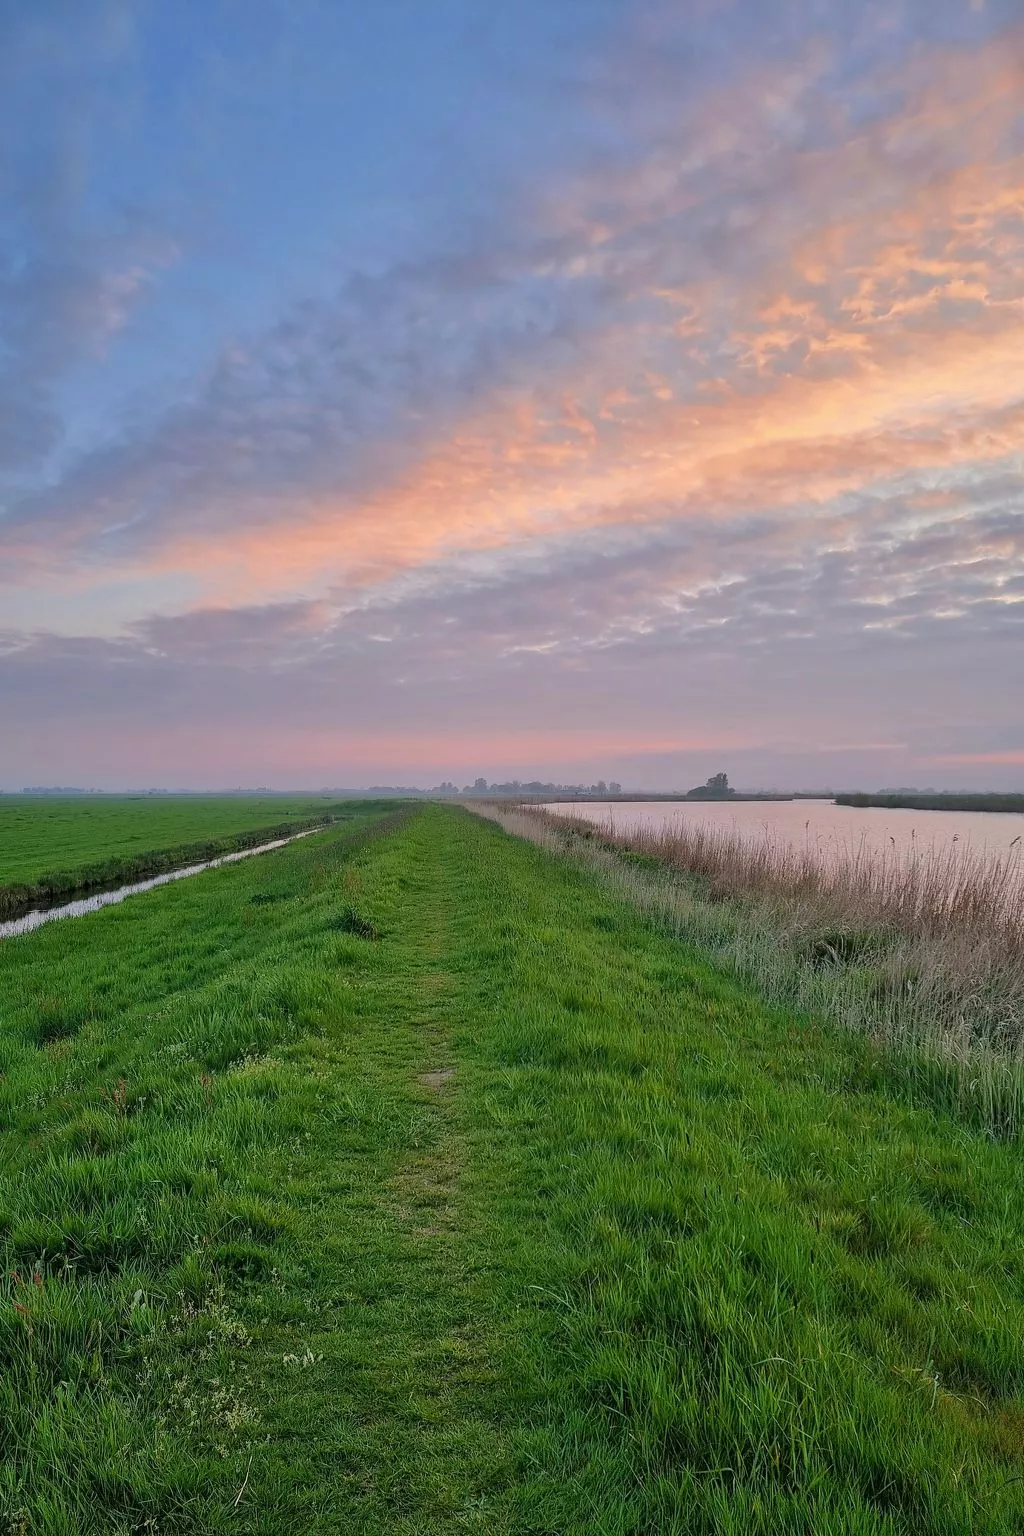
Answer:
(920, 890)
(921, 948)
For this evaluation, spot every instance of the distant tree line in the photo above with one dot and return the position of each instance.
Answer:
(55, 789)
(715, 788)
(529, 787)
(936, 801)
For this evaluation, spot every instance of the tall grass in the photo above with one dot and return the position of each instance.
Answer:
(922, 948)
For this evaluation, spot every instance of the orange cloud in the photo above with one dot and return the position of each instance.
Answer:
(879, 344)
(941, 405)
(1009, 759)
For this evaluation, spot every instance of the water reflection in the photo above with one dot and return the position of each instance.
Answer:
(820, 823)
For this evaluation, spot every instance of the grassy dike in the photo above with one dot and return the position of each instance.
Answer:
(411, 1183)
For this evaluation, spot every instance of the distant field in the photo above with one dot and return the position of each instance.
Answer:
(39, 834)
(414, 1183)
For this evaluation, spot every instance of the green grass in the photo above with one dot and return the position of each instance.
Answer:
(39, 833)
(654, 1257)
(52, 847)
(925, 954)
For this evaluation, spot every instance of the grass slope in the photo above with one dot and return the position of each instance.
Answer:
(652, 1258)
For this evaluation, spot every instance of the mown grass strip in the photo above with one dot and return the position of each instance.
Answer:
(506, 1213)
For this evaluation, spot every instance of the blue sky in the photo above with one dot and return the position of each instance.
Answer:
(564, 389)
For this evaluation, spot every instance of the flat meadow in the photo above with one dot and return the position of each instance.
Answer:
(416, 1177)
(55, 846)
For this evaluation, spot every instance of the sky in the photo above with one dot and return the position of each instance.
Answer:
(569, 389)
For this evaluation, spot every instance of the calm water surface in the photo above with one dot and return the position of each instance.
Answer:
(819, 823)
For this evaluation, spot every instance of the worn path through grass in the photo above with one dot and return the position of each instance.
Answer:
(387, 1417)
(419, 1186)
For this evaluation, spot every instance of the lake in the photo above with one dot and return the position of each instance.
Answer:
(834, 829)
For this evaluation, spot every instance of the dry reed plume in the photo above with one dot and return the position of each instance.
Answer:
(921, 948)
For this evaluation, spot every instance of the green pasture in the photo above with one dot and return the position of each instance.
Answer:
(53, 846)
(406, 1181)
(39, 833)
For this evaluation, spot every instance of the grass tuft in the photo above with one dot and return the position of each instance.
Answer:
(351, 921)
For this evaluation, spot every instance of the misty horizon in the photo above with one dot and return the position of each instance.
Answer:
(526, 786)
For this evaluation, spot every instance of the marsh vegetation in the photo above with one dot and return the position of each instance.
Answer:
(920, 947)
(937, 801)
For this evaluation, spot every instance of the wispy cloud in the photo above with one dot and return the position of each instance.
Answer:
(738, 388)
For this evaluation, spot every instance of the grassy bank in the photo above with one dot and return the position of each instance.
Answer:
(417, 1183)
(922, 950)
(53, 849)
